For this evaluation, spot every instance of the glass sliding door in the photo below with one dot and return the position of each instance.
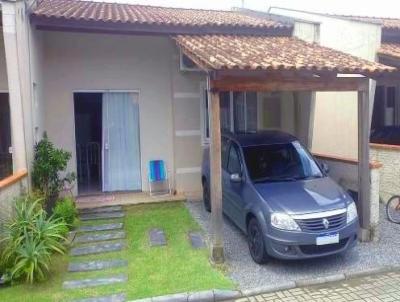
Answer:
(121, 150)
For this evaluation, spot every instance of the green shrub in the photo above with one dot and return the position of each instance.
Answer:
(48, 163)
(30, 239)
(65, 209)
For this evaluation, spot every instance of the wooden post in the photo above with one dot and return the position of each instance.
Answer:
(217, 247)
(364, 183)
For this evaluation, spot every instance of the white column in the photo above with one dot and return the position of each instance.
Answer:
(14, 86)
(364, 179)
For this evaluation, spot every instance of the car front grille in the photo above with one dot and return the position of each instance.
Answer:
(317, 224)
(312, 249)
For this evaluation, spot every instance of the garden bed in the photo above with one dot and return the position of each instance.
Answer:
(152, 271)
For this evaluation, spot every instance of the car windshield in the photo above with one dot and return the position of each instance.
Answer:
(280, 162)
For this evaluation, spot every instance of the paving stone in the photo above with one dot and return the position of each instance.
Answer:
(95, 265)
(93, 237)
(196, 239)
(101, 227)
(157, 237)
(84, 283)
(96, 216)
(375, 288)
(97, 248)
(112, 298)
(101, 210)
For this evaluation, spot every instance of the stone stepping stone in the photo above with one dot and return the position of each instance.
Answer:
(89, 266)
(157, 237)
(84, 283)
(112, 298)
(97, 248)
(196, 240)
(100, 227)
(101, 210)
(93, 237)
(97, 216)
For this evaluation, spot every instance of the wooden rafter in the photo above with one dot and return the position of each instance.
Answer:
(279, 83)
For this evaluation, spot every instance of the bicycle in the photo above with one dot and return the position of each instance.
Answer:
(393, 209)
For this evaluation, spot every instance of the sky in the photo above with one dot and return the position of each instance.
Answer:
(380, 8)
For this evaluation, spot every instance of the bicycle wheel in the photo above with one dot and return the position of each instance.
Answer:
(393, 209)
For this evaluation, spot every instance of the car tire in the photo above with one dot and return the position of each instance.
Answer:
(256, 242)
(206, 197)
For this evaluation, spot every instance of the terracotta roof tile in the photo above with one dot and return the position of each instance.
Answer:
(390, 49)
(387, 23)
(219, 52)
(143, 14)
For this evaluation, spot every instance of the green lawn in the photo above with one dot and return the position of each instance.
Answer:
(152, 271)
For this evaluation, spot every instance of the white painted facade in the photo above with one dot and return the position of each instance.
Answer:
(169, 103)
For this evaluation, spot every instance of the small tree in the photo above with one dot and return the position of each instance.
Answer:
(49, 163)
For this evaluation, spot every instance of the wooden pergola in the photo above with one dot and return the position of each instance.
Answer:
(254, 66)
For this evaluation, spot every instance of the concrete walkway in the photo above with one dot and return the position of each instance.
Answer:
(98, 239)
(375, 288)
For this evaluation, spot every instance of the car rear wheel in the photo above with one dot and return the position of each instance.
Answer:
(256, 242)
(206, 197)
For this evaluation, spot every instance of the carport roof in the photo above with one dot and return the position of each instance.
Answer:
(229, 52)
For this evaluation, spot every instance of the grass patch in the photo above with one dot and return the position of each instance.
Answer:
(152, 271)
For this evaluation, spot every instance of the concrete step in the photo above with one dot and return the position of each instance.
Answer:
(104, 236)
(97, 248)
(113, 298)
(101, 210)
(97, 216)
(100, 227)
(98, 265)
(84, 283)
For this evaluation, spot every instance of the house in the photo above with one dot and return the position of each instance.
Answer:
(118, 85)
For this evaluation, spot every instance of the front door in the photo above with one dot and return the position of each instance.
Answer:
(121, 146)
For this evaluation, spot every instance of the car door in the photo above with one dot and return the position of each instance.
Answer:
(234, 188)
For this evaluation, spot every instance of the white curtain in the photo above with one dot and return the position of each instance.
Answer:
(121, 152)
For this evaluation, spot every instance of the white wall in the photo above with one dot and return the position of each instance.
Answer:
(389, 156)
(335, 124)
(37, 103)
(3, 66)
(78, 61)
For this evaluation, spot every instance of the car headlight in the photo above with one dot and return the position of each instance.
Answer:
(284, 222)
(351, 212)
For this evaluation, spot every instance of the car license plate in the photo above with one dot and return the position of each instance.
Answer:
(328, 239)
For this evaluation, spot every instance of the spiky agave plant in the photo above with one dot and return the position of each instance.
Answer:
(30, 240)
(32, 259)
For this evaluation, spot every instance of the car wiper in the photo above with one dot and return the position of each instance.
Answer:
(274, 179)
(309, 177)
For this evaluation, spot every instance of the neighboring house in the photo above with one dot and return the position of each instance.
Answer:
(335, 124)
(110, 80)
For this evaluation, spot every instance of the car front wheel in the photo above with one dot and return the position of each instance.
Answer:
(256, 242)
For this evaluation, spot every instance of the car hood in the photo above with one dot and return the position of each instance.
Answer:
(304, 196)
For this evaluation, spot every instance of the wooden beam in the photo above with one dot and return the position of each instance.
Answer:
(289, 84)
(217, 247)
(364, 183)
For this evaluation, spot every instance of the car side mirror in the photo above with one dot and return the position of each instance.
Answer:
(236, 177)
(325, 168)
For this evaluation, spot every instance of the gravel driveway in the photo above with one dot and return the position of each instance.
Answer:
(248, 274)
